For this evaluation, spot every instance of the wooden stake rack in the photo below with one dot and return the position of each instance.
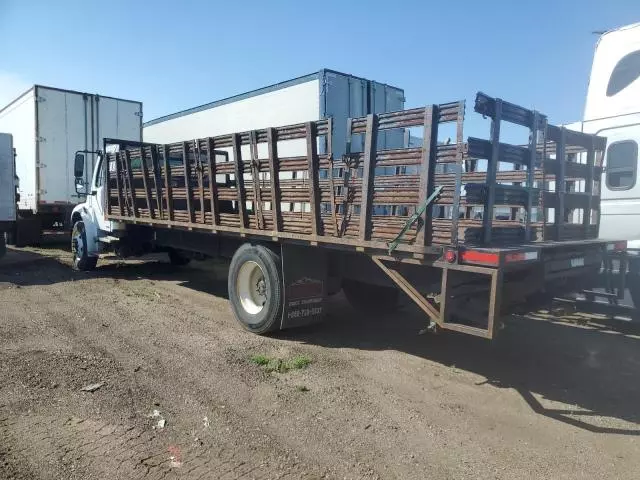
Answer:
(284, 184)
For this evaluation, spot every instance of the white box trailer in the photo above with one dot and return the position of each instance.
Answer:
(320, 95)
(48, 126)
(7, 180)
(316, 96)
(7, 188)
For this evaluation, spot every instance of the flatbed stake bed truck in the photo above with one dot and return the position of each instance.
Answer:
(470, 230)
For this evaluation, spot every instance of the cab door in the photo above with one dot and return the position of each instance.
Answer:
(620, 189)
(97, 195)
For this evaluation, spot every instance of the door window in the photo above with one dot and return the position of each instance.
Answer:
(622, 165)
(101, 173)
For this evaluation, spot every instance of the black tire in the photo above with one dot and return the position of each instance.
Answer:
(81, 259)
(633, 281)
(10, 236)
(177, 259)
(3, 245)
(370, 298)
(634, 290)
(269, 316)
(28, 231)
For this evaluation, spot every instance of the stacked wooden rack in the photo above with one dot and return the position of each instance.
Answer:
(284, 183)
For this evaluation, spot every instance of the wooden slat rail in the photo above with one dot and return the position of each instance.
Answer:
(588, 182)
(186, 165)
(156, 175)
(146, 182)
(213, 184)
(368, 174)
(561, 185)
(130, 194)
(492, 168)
(534, 132)
(119, 183)
(379, 188)
(455, 214)
(314, 194)
(427, 170)
(274, 179)
(255, 178)
(109, 187)
(239, 176)
(200, 177)
(168, 185)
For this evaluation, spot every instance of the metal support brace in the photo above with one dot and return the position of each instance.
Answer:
(413, 219)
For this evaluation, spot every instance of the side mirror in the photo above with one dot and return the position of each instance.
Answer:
(78, 166)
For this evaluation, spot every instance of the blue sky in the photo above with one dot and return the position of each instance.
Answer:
(174, 55)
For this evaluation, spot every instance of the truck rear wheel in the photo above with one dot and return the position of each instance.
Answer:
(255, 288)
(81, 258)
(633, 281)
(370, 298)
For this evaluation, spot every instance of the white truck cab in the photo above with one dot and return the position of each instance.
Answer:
(612, 110)
(91, 227)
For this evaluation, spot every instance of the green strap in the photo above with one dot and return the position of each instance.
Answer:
(413, 218)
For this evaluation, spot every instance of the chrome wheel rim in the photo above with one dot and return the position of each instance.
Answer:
(251, 288)
(77, 245)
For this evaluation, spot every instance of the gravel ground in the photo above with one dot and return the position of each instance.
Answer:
(177, 395)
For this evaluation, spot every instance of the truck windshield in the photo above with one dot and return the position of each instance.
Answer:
(626, 71)
(101, 173)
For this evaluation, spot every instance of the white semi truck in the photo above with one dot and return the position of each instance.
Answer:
(612, 110)
(48, 126)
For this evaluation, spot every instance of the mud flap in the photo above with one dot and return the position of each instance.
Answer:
(304, 273)
(28, 231)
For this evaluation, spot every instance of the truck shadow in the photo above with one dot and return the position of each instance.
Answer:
(207, 277)
(584, 377)
(45, 266)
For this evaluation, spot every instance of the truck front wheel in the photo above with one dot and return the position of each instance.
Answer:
(255, 288)
(81, 258)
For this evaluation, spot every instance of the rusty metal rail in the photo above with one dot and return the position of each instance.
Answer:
(283, 182)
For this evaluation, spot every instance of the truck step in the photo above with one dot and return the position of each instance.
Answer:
(108, 239)
(600, 294)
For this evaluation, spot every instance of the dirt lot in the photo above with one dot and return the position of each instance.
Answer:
(548, 399)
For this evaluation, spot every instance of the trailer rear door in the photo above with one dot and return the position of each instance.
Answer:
(7, 177)
(60, 127)
(620, 216)
(115, 118)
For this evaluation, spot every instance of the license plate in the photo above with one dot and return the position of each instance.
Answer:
(577, 262)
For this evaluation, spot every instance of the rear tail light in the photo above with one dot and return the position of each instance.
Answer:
(617, 246)
(521, 256)
(482, 258)
(493, 259)
(450, 256)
